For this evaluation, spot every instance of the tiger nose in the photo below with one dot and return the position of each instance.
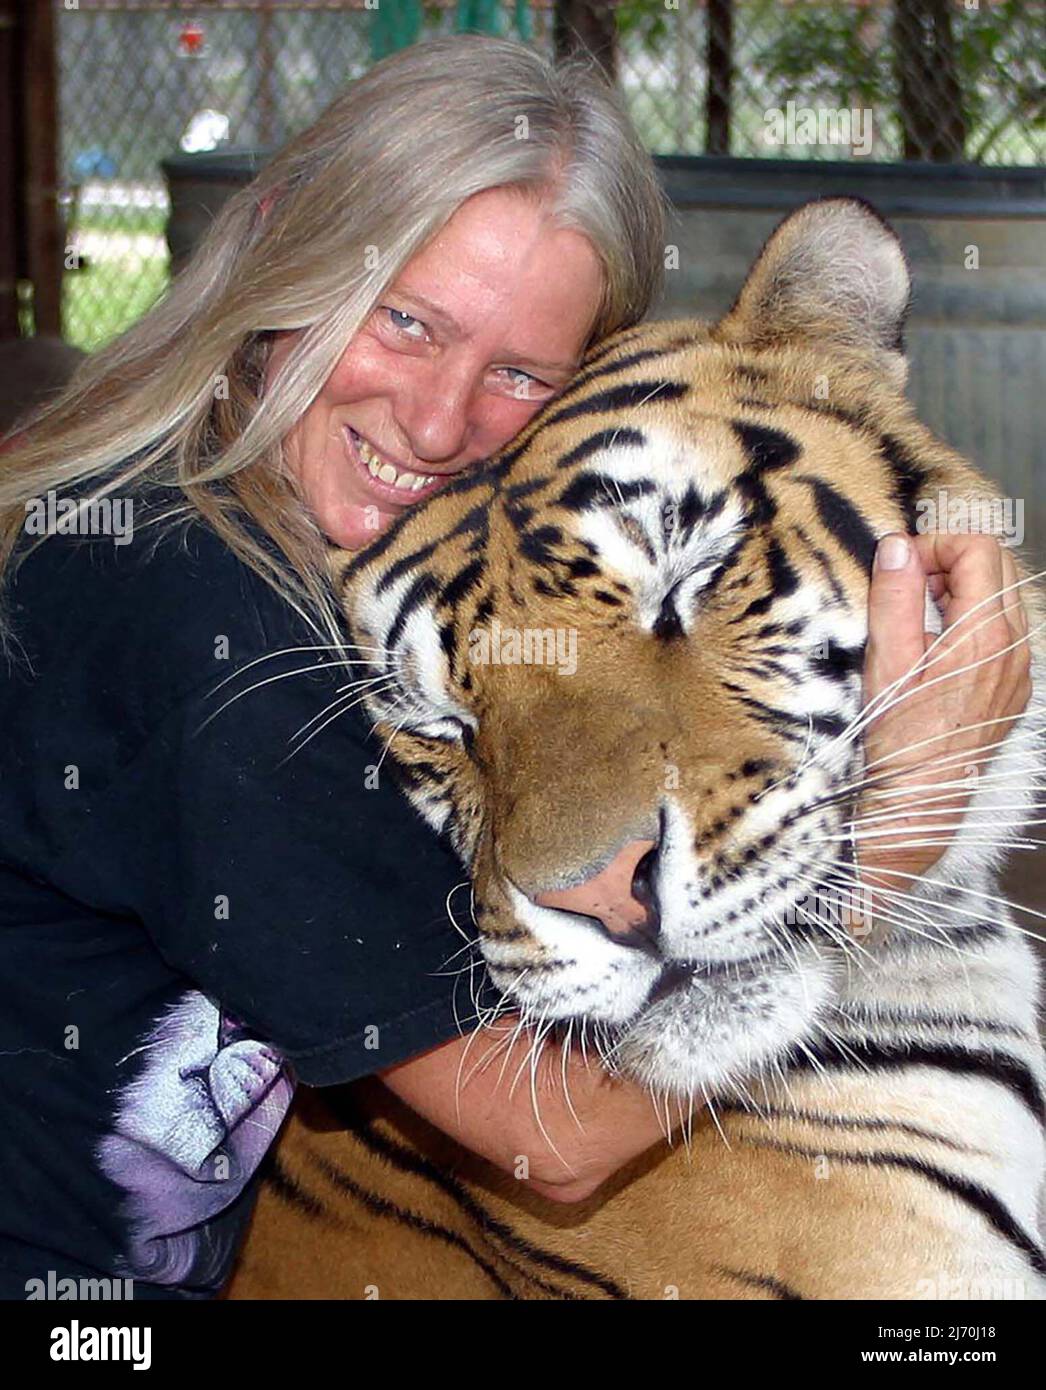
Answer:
(621, 895)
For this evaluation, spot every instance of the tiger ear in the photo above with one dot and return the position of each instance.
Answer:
(832, 273)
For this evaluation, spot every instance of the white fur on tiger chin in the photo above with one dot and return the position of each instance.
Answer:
(715, 1037)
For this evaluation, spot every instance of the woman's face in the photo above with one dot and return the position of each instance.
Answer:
(485, 324)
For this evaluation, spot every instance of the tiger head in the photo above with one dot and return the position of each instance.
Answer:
(618, 664)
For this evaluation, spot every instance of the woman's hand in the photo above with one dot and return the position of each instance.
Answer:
(925, 753)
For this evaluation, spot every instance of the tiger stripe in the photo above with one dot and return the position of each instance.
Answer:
(699, 511)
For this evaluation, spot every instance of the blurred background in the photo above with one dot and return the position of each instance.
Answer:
(125, 123)
(109, 89)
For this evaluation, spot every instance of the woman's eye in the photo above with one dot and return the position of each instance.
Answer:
(522, 385)
(405, 322)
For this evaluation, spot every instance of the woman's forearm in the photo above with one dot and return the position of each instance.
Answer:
(487, 1096)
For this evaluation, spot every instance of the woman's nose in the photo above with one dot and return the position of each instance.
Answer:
(434, 415)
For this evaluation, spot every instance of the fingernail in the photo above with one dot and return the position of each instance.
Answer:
(892, 553)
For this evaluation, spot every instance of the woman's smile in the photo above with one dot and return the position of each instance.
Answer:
(387, 481)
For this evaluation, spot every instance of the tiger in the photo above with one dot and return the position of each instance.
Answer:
(699, 508)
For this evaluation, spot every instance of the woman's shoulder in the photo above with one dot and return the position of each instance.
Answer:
(139, 590)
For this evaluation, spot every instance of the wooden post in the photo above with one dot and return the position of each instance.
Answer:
(43, 246)
(9, 162)
(720, 75)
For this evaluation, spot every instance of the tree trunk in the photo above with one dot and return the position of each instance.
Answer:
(929, 88)
(587, 26)
(719, 52)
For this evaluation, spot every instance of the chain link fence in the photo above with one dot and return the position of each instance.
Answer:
(840, 79)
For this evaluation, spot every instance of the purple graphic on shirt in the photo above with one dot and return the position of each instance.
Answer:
(189, 1132)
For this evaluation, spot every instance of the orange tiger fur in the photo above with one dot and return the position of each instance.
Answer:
(699, 507)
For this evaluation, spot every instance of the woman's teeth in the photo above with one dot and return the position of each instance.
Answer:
(386, 473)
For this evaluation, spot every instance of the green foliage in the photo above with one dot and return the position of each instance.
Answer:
(1002, 54)
(826, 53)
(645, 21)
(838, 54)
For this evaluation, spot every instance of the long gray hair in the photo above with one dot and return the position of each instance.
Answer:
(347, 203)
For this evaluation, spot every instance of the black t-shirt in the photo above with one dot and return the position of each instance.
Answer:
(190, 918)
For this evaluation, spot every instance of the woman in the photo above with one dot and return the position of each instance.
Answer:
(191, 919)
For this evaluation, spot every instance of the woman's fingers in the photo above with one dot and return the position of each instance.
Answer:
(896, 614)
(1016, 613)
(955, 704)
(972, 569)
(972, 578)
